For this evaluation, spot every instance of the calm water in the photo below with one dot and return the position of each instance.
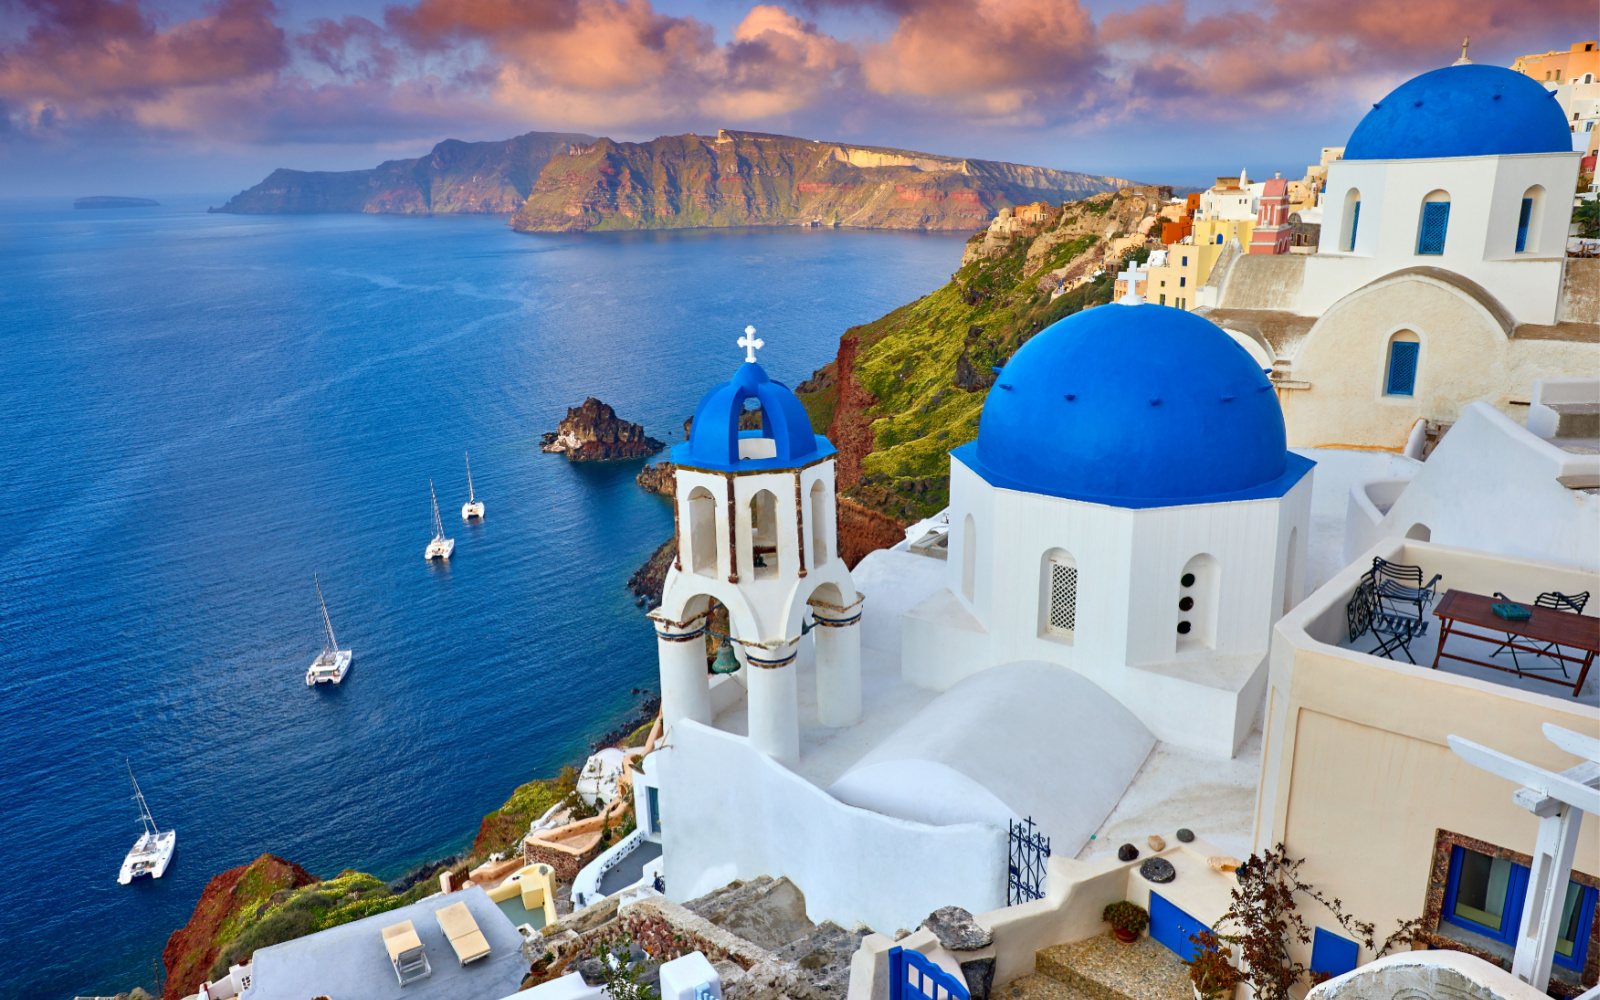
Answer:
(199, 411)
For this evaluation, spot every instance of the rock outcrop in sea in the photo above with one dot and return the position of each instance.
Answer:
(594, 433)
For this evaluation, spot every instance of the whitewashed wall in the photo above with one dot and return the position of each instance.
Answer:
(730, 812)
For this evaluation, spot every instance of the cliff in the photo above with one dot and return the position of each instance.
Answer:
(456, 178)
(230, 901)
(750, 178)
(594, 433)
(905, 389)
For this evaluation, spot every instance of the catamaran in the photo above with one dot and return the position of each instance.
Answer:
(332, 663)
(152, 852)
(473, 508)
(440, 547)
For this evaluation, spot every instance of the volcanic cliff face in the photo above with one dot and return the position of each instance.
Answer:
(457, 178)
(594, 433)
(750, 178)
(230, 900)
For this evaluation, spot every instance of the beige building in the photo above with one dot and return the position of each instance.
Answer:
(1173, 276)
(1358, 777)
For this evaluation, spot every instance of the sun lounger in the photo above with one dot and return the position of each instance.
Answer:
(462, 931)
(405, 952)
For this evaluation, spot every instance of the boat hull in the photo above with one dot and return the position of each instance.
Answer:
(469, 511)
(328, 670)
(150, 856)
(440, 548)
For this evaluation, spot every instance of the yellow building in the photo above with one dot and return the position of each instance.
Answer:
(1211, 235)
(1173, 276)
(1578, 64)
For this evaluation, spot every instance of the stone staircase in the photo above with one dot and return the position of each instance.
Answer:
(1103, 968)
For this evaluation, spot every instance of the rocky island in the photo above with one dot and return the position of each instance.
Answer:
(756, 179)
(114, 201)
(594, 433)
(456, 178)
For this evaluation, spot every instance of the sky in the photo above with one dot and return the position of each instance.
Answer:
(152, 97)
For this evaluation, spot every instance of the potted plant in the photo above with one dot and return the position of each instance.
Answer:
(1126, 920)
(1210, 971)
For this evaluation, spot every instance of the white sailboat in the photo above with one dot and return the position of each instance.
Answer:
(332, 663)
(440, 547)
(473, 508)
(153, 850)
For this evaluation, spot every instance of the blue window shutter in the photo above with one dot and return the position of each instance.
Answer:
(1403, 367)
(1522, 224)
(1435, 220)
(1333, 954)
(1355, 221)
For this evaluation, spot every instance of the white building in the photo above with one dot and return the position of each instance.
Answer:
(1441, 277)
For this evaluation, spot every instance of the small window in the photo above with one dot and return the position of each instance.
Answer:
(1435, 222)
(652, 797)
(1402, 380)
(1183, 282)
(1186, 262)
(1163, 298)
(1352, 220)
(1063, 597)
(1522, 224)
(1486, 895)
(1528, 218)
(1333, 955)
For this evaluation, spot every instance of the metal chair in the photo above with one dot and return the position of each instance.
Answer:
(1394, 630)
(1553, 600)
(1398, 583)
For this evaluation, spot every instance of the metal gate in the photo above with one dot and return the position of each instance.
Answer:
(1030, 850)
(913, 977)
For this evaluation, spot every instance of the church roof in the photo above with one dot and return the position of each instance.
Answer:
(714, 436)
(1466, 110)
(1134, 406)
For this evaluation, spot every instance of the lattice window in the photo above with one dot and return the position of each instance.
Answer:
(1063, 597)
(1435, 220)
(1403, 367)
(1522, 224)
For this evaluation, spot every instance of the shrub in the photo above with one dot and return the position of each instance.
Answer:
(1126, 916)
(1211, 970)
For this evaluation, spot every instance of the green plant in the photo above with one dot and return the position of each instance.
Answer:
(1125, 916)
(1587, 218)
(1211, 970)
(623, 974)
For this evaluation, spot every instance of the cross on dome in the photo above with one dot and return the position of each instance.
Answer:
(749, 342)
(1464, 61)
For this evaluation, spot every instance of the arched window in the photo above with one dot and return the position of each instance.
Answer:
(764, 534)
(1352, 220)
(819, 524)
(969, 558)
(1197, 603)
(1058, 595)
(1528, 219)
(1434, 222)
(702, 532)
(1400, 378)
(1419, 532)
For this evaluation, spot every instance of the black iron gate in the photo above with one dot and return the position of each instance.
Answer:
(1030, 850)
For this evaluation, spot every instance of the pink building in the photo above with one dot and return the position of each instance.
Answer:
(1272, 233)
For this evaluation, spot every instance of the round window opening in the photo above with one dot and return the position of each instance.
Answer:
(1183, 628)
(1185, 604)
(1188, 580)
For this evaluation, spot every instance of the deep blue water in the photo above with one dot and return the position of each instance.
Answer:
(199, 411)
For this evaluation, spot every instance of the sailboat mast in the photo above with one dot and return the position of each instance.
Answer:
(333, 643)
(147, 820)
(438, 525)
(471, 497)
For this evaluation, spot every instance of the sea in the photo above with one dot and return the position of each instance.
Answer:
(201, 413)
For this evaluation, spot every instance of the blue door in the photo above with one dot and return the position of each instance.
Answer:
(1173, 927)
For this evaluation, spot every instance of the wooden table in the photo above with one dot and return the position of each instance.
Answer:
(1567, 630)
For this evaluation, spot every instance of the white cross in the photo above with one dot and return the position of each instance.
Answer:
(750, 343)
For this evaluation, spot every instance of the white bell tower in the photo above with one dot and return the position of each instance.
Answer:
(756, 525)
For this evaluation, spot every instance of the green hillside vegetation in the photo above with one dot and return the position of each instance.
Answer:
(928, 365)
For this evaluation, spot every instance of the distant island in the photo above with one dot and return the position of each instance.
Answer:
(114, 201)
(565, 182)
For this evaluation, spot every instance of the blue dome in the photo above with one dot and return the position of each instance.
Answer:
(1134, 406)
(714, 437)
(1462, 111)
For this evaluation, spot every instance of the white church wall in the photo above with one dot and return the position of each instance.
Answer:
(855, 866)
(971, 498)
(1485, 195)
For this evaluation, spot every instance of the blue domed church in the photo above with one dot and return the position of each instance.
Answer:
(1130, 510)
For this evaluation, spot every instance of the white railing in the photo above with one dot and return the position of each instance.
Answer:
(586, 887)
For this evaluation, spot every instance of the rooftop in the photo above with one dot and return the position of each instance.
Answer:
(349, 961)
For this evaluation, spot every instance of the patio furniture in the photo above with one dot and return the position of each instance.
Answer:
(1555, 600)
(1399, 587)
(1545, 629)
(405, 952)
(462, 932)
(1394, 630)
